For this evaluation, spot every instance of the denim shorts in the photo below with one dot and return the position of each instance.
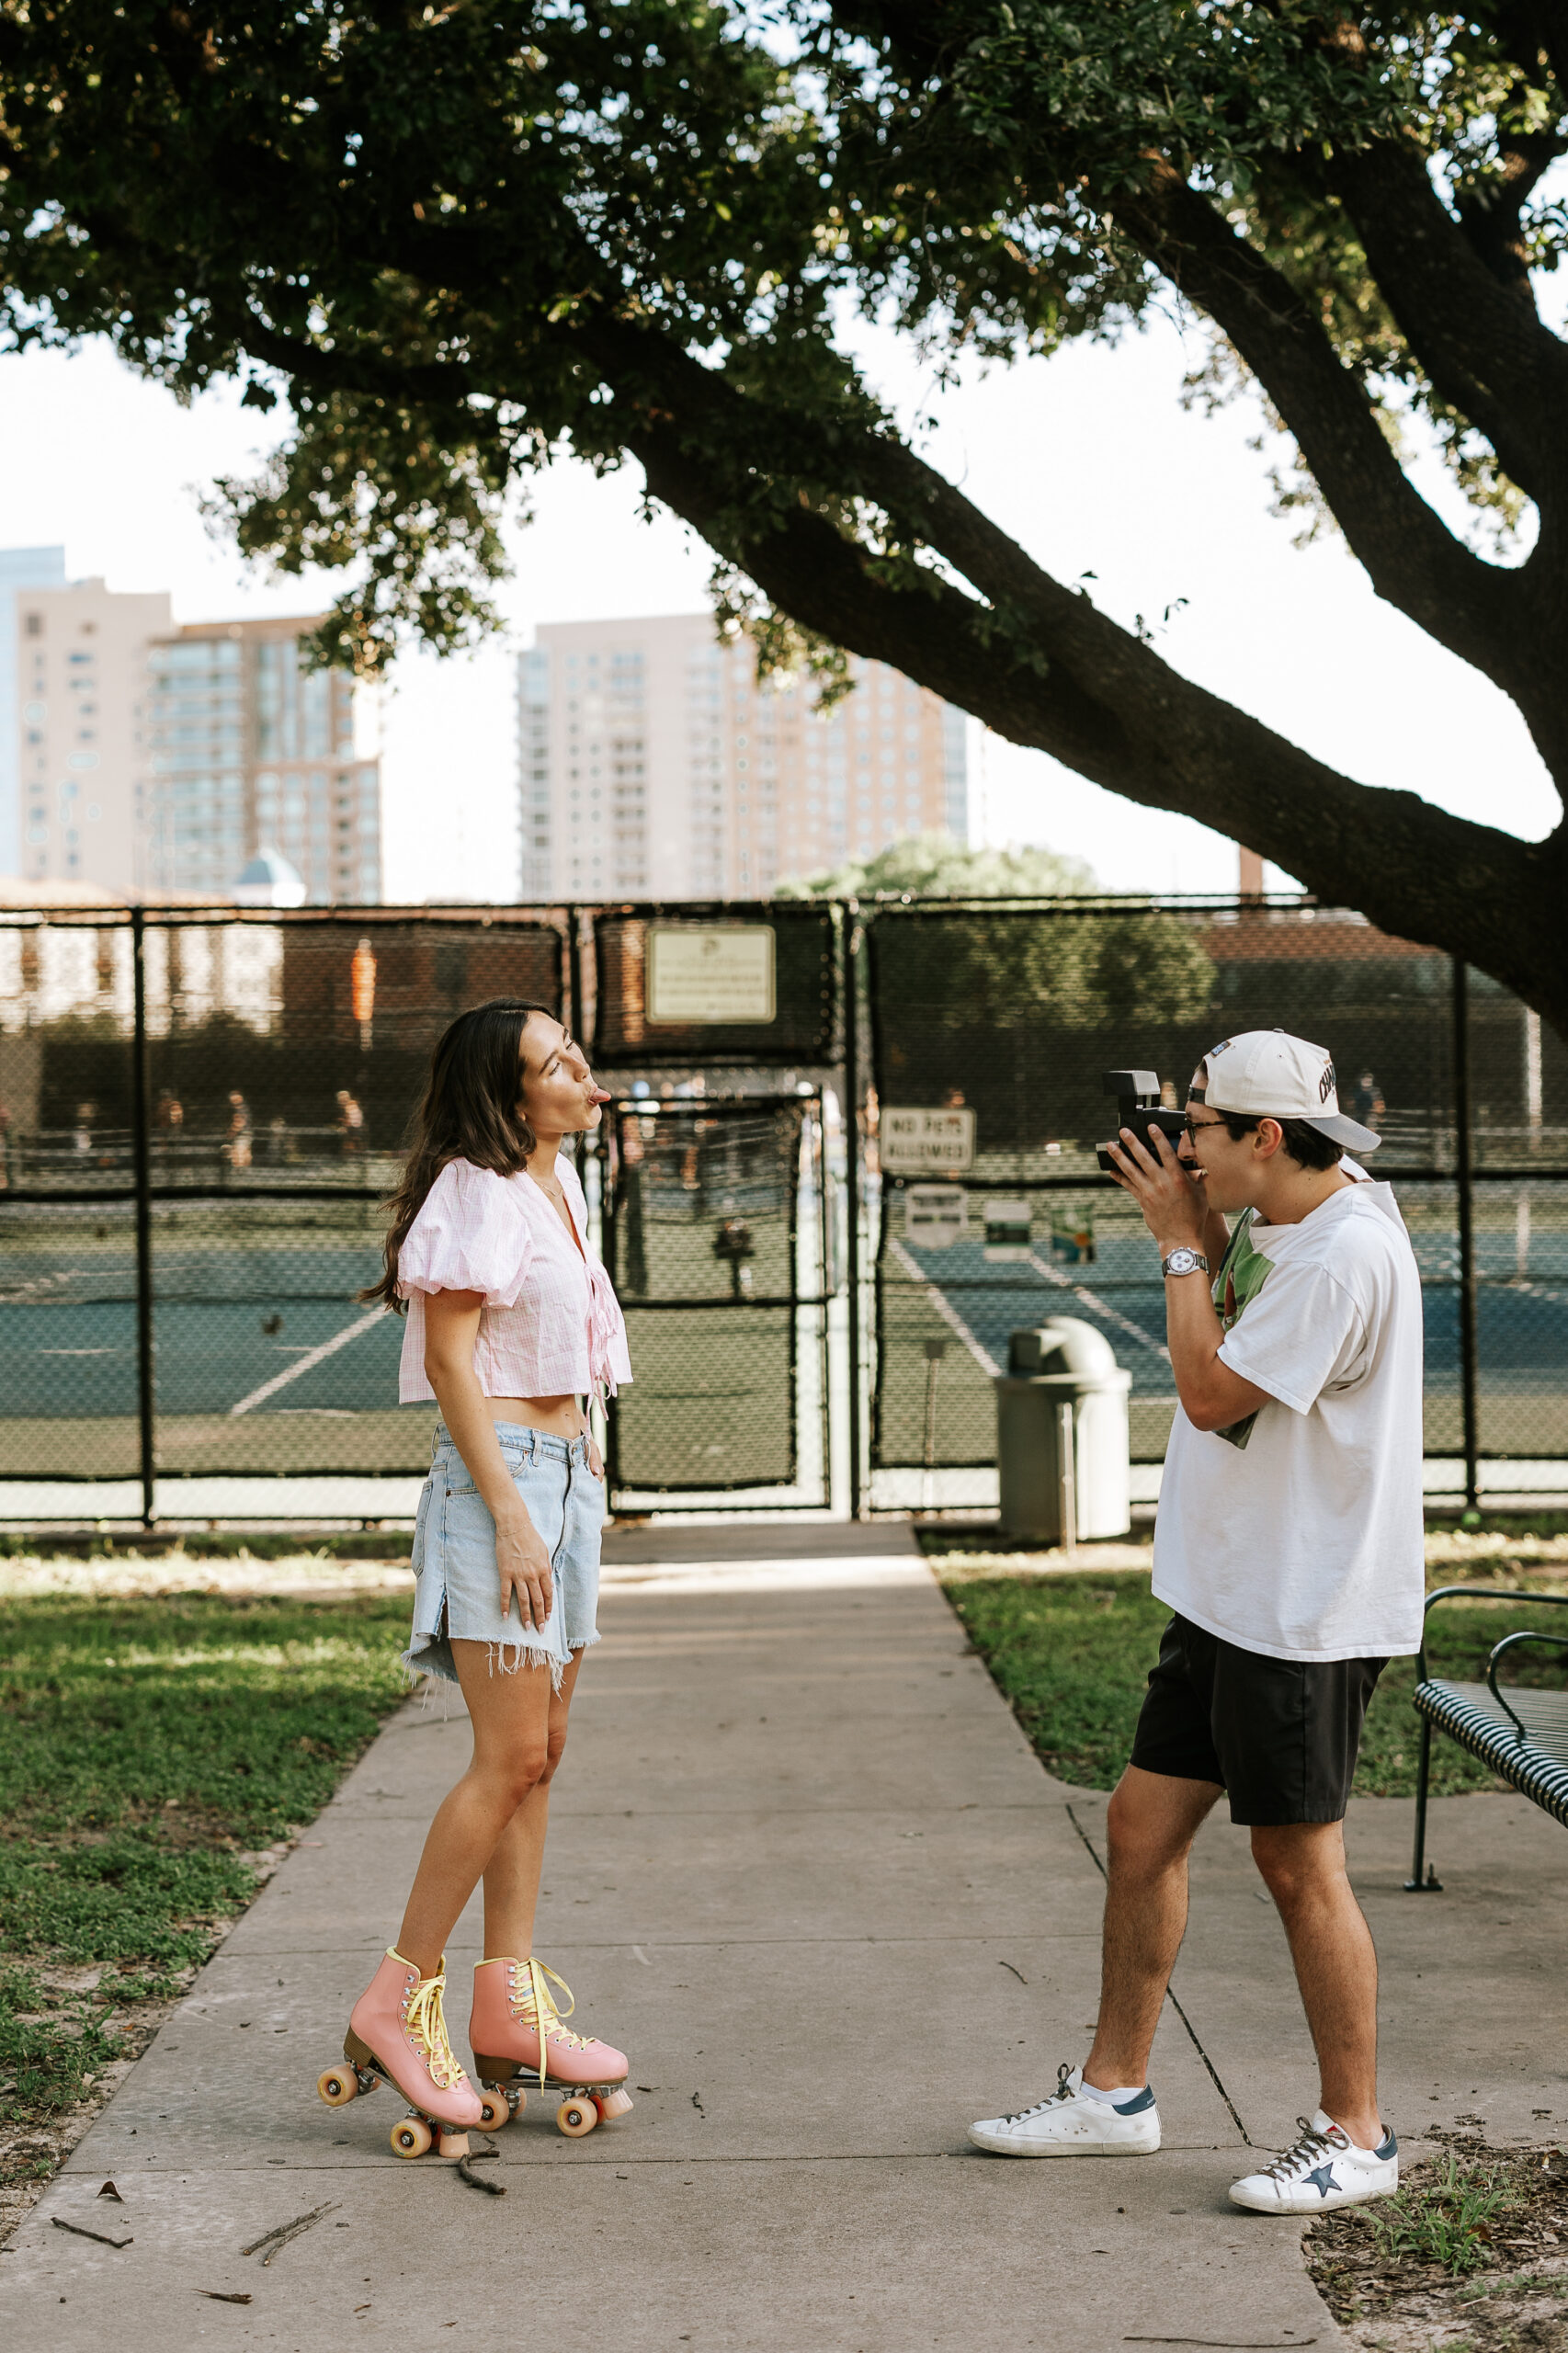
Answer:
(457, 1595)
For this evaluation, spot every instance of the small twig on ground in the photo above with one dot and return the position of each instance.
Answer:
(479, 2157)
(79, 2231)
(220, 2296)
(1017, 1973)
(276, 2241)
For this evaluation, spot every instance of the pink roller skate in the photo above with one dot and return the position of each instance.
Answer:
(397, 2034)
(517, 2031)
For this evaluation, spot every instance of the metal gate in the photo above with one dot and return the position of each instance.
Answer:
(716, 1229)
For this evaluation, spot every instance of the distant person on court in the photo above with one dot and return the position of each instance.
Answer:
(350, 1123)
(1289, 1546)
(1367, 1102)
(512, 1325)
(237, 1144)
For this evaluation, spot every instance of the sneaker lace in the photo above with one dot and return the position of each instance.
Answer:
(1307, 2152)
(1064, 2091)
(425, 2021)
(533, 2005)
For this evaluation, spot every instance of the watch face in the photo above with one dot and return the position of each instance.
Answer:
(1181, 1262)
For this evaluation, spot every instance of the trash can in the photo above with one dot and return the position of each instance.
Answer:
(1061, 1436)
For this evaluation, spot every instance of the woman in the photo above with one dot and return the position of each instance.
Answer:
(511, 1321)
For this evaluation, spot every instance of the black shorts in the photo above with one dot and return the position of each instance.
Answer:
(1279, 1735)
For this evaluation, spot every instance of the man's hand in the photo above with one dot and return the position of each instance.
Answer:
(1170, 1195)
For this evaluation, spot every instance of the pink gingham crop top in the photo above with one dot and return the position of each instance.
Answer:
(551, 1326)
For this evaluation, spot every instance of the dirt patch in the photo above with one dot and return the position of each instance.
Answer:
(1471, 2257)
(69, 2036)
(81, 2007)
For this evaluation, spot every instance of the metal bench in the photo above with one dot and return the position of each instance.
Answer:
(1523, 1737)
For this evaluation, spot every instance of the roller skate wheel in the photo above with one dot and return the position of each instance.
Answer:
(339, 2085)
(411, 2138)
(451, 2145)
(495, 2111)
(575, 2117)
(613, 2103)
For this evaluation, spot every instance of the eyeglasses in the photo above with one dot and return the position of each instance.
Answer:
(1195, 1127)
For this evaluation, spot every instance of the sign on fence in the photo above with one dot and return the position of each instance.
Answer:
(935, 1216)
(1006, 1231)
(913, 1139)
(711, 972)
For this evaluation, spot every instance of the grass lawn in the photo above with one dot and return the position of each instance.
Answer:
(1070, 1655)
(157, 1753)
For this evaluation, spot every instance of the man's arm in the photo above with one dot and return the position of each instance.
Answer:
(1178, 1215)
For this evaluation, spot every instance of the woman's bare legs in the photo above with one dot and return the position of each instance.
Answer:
(511, 1876)
(512, 1716)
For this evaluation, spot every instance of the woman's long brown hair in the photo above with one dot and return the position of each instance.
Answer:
(469, 1111)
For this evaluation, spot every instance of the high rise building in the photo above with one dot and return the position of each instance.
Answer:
(80, 691)
(653, 764)
(248, 752)
(20, 568)
(137, 757)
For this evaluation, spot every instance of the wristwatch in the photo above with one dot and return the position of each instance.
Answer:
(1184, 1262)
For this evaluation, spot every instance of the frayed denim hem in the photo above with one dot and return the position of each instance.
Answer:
(429, 1657)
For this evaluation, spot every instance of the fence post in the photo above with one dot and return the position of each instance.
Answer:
(852, 1186)
(1463, 1172)
(141, 1155)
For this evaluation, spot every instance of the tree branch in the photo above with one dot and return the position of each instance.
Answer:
(1099, 700)
(1120, 716)
(1491, 617)
(1485, 352)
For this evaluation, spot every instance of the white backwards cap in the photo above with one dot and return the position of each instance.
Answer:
(1267, 1073)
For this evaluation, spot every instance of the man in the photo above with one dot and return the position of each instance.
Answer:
(1289, 1545)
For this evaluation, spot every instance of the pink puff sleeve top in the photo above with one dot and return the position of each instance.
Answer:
(551, 1326)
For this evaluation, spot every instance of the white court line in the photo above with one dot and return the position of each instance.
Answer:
(312, 1357)
(1092, 1299)
(948, 1315)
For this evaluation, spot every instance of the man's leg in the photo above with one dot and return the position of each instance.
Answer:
(1303, 1864)
(1150, 1826)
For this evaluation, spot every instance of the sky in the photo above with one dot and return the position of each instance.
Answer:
(1088, 459)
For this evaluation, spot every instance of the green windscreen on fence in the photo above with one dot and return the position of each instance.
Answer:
(745, 984)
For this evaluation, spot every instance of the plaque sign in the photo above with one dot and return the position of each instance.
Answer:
(916, 1140)
(935, 1216)
(720, 973)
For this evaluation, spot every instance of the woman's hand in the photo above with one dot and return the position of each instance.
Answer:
(523, 1559)
(1169, 1193)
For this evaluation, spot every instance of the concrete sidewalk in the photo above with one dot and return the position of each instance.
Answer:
(805, 1868)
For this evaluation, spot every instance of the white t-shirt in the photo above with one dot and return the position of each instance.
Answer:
(1299, 1531)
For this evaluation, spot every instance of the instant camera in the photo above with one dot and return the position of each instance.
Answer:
(1137, 1094)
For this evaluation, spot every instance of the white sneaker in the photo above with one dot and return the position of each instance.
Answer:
(1070, 2123)
(1324, 2169)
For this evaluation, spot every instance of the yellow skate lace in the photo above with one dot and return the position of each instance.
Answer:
(535, 2008)
(426, 2022)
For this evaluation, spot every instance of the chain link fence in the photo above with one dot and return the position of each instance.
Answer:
(992, 1029)
(824, 1228)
